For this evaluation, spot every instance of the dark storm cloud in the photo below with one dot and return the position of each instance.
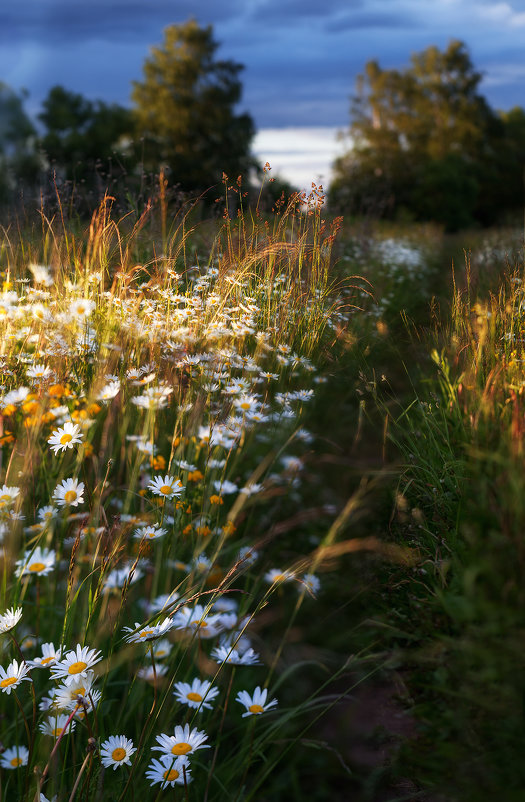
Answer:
(66, 21)
(301, 57)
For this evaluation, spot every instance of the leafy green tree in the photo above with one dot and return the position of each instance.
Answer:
(422, 138)
(19, 160)
(185, 110)
(83, 139)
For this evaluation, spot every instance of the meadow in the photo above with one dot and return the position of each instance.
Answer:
(252, 470)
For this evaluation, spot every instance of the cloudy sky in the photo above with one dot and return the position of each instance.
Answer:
(301, 57)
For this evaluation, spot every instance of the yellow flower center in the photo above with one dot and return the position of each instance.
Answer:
(57, 731)
(16, 762)
(146, 633)
(170, 775)
(81, 310)
(66, 438)
(5, 497)
(8, 681)
(256, 709)
(245, 405)
(166, 489)
(76, 668)
(201, 623)
(70, 496)
(46, 660)
(35, 567)
(181, 749)
(118, 754)
(194, 697)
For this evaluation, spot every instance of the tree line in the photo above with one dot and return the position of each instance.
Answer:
(182, 121)
(427, 146)
(425, 143)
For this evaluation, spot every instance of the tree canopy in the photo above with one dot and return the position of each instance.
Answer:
(426, 143)
(185, 110)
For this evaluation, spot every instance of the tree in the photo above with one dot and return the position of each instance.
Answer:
(422, 138)
(19, 161)
(184, 110)
(82, 138)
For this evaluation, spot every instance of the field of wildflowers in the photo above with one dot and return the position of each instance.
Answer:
(184, 613)
(152, 459)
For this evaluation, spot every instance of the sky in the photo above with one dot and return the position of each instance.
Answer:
(300, 57)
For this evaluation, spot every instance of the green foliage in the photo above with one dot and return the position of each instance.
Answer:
(82, 138)
(427, 143)
(18, 160)
(184, 110)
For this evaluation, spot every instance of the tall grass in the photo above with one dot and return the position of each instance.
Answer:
(159, 542)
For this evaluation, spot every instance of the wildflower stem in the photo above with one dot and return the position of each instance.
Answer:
(51, 756)
(79, 775)
(216, 750)
(145, 727)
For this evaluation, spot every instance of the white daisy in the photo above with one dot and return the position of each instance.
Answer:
(38, 562)
(138, 634)
(255, 704)
(149, 532)
(169, 771)
(8, 495)
(10, 619)
(57, 724)
(225, 654)
(64, 438)
(76, 663)
(50, 655)
(13, 675)
(167, 486)
(197, 695)
(183, 742)
(116, 751)
(14, 757)
(69, 492)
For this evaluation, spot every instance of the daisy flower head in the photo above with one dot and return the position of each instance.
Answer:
(50, 655)
(65, 437)
(162, 649)
(169, 771)
(116, 751)
(76, 663)
(80, 692)
(41, 274)
(56, 725)
(197, 695)
(69, 491)
(166, 486)
(13, 675)
(183, 742)
(255, 704)
(82, 307)
(311, 582)
(39, 372)
(225, 654)
(8, 495)
(198, 619)
(10, 619)
(149, 532)
(14, 757)
(138, 634)
(37, 562)
(275, 576)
